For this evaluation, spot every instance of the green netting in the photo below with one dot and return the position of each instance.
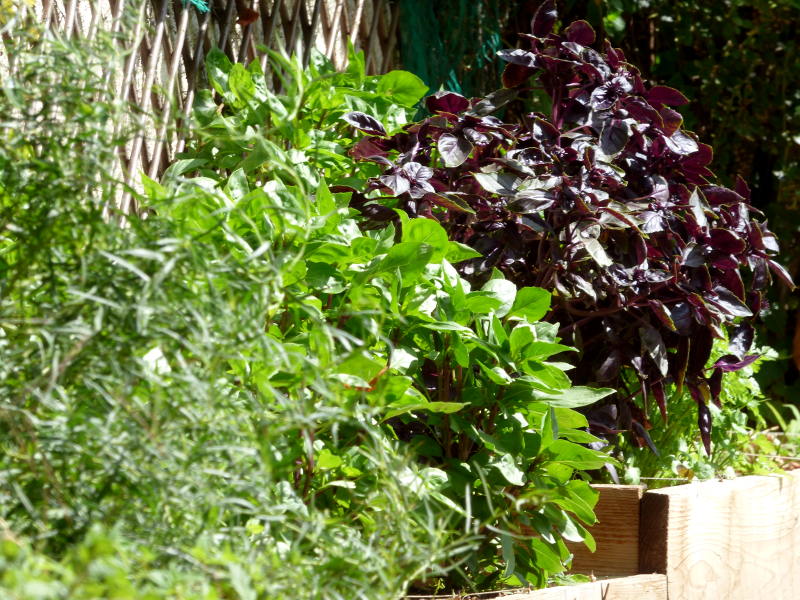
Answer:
(452, 43)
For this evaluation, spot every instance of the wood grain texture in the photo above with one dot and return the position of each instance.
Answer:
(736, 540)
(616, 534)
(635, 587)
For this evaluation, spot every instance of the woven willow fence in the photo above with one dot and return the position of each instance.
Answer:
(165, 64)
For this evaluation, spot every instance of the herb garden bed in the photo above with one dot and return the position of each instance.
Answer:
(734, 539)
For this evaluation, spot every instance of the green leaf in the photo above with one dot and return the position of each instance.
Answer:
(507, 544)
(403, 87)
(482, 303)
(573, 397)
(237, 186)
(549, 376)
(329, 252)
(580, 499)
(241, 85)
(496, 375)
(531, 303)
(410, 405)
(549, 428)
(503, 290)
(426, 231)
(576, 456)
(521, 336)
(578, 436)
(508, 469)
(498, 331)
(455, 252)
(409, 258)
(323, 277)
(361, 364)
(460, 351)
(546, 558)
(324, 199)
(544, 350)
(218, 65)
(447, 326)
(326, 460)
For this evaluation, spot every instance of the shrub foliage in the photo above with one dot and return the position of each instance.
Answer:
(606, 201)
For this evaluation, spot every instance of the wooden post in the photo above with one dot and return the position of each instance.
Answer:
(737, 539)
(635, 587)
(616, 534)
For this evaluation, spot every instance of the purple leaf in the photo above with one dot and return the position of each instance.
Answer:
(608, 202)
(699, 351)
(369, 148)
(726, 241)
(515, 75)
(731, 279)
(447, 102)
(653, 222)
(680, 143)
(365, 123)
(730, 363)
(657, 389)
(544, 19)
(417, 172)
(454, 149)
(672, 120)
(741, 338)
(782, 273)
(661, 312)
(715, 386)
(519, 57)
(614, 137)
(493, 102)
(580, 32)
(662, 94)
(544, 132)
(452, 201)
(531, 201)
(640, 431)
(702, 157)
(742, 188)
(717, 195)
(728, 301)
(704, 423)
(397, 182)
(653, 345)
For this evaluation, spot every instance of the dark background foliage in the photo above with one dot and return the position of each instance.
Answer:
(736, 61)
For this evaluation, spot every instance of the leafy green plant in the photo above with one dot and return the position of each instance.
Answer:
(119, 400)
(421, 333)
(232, 397)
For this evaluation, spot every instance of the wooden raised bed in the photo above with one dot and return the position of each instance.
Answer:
(717, 540)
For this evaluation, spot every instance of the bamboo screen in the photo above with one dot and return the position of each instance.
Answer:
(166, 61)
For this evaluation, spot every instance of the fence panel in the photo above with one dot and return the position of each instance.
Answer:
(168, 47)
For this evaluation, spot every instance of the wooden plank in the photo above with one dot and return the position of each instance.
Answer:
(616, 534)
(635, 587)
(737, 539)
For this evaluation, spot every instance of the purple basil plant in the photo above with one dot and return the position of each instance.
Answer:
(607, 202)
